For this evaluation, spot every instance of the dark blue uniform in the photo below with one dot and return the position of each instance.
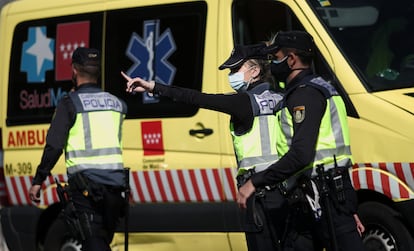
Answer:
(300, 154)
(103, 206)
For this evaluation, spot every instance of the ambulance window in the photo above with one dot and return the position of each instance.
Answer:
(40, 72)
(164, 43)
(376, 37)
(256, 21)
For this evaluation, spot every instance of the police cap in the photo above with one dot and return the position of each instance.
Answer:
(241, 53)
(291, 39)
(86, 56)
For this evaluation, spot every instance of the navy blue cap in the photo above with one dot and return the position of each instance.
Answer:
(241, 53)
(86, 56)
(291, 39)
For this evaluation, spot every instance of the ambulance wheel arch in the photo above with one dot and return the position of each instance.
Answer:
(27, 234)
(19, 227)
(58, 238)
(384, 228)
(46, 220)
(23, 235)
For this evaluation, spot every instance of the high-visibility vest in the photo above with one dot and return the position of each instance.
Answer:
(333, 143)
(257, 147)
(95, 139)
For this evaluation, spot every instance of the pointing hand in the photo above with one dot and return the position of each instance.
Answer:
(138, 84)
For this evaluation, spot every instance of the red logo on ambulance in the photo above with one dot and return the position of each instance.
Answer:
(152, 138)
(69, 36)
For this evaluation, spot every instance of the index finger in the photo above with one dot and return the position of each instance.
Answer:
(126, 76)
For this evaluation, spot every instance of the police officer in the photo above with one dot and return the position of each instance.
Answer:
(313, 133)
(87, 126)
(252, 129)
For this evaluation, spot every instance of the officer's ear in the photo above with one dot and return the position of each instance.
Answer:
(74, 69)
(292, 59)
(256, 71)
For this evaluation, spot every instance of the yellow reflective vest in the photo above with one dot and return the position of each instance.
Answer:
(95, 140)
(333, 140)
(256, 149)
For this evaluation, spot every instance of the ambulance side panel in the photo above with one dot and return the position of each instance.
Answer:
(181, 157)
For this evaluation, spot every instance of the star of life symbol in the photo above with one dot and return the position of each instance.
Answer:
(150, 56)
(37, 54)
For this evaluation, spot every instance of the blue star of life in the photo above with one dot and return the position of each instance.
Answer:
(150, 56)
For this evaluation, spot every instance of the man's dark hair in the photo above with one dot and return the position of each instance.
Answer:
(90, 71)
(87, 61)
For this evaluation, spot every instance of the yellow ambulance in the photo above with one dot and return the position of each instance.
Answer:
(181, 157)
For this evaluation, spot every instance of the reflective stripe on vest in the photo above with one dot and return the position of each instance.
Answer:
(94, 140)
(257, 148)
(333, 139)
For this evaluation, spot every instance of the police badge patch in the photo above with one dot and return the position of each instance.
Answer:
(299, 113)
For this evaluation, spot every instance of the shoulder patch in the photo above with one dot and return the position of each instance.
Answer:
(299, 113)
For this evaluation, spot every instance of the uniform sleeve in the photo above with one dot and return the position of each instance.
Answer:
(311, 104)
(56, 138)
(236, 105)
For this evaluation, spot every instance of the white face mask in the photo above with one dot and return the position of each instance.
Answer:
(236, 80)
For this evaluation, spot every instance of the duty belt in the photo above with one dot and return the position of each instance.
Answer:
(243, 178)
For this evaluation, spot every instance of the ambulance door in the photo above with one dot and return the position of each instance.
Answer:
(163, 138)
(174, 150)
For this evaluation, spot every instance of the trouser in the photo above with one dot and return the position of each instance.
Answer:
(101, 216)
(303, 222)
(264, 220)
